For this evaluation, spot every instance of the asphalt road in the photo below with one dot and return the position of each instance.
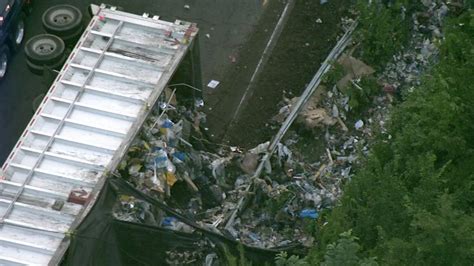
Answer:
(227, 24)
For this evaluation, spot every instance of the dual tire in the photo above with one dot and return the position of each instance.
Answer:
(44, 51)
(64, 21)
(63, 24)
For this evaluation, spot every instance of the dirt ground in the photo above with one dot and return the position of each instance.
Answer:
(300, 50)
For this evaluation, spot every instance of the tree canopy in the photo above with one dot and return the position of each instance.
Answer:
(412, 202)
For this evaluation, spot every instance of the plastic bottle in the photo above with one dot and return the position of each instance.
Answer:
(161, 159)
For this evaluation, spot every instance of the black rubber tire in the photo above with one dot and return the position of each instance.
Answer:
(35, 69)
(4, 51)
(62, 20)
(44, 49)
(39, 69)
(19, 25)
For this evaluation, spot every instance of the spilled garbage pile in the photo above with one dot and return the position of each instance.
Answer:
(191, 249)
(121, 229)
(205, 185)
(172, 161)
(406, 68)
(348, 133)
(345, 139)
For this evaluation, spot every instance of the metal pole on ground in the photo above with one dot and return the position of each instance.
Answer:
(310, 89)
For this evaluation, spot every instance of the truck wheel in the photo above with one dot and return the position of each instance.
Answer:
(4, 56)
(44, 49)
(62, 20)
(19, 34)
(35, 69)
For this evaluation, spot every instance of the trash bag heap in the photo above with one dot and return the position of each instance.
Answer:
(172, 161)
(166, 202)
(331, 115)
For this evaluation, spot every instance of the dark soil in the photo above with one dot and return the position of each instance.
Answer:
(302, 47)
(222, 102)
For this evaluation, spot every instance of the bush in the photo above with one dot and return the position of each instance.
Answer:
(413, 201)
(361, 94)
(383, 29)
(334, 75)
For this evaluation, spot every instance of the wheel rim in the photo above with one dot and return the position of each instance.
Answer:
(44, 47)
(62, 17)
(3, 65)
(20, 32)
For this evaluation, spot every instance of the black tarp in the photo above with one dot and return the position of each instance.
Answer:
(103, 240)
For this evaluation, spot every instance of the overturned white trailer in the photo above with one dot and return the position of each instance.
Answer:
(83, 127)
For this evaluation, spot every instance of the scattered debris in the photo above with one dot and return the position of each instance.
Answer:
(309, 213)
(79, 196)
(206, 181)
(213, 84)
(353, 69)
(343, 146)
(58, 205)
(311, 115)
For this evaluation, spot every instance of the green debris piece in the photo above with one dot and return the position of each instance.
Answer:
(134, 169)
